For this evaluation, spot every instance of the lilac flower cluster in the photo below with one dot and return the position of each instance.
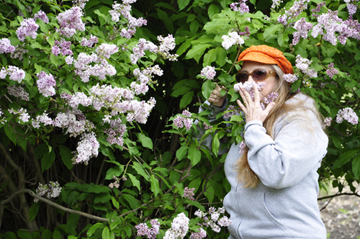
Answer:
(124, 10)
(181, 121)
(44, 119)
(208, 72)
(18, 53)
(140, 48)
(101, 70)
(41, 15)
(246, 32)
(116, 183)
(14, 72)
(240, 6)
(45, 84)
(179, 227)
(268, 99)
(89, 43)
(347, 114)
(198, 235)
(144, 230)
(88, 147)
(331, 71)
(317, 9)
(63, 47)
(22, 113)
(80, 3)
(351, 8)
(293, 12)
(28, 27)
(303, 64)
(231, 39)
(327, 122)
(70, 21)
(189, 193)
(249, 87)
(231, 110)
(276, 3)
(74, 121)
(290, 78)
(51, 190)
(166, 45)
(18, 92)
(144, 77)
(329, 24)
(206, 126)
(5, 46)
(214, 219)
(115, 132)
(302, 27)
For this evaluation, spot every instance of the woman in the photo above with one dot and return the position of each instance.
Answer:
(274, 183)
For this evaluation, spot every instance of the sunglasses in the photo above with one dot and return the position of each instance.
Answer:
(257, 74)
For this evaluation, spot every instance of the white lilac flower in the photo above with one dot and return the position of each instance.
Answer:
(231, 39)
(347, 114)
(166, 45)
(88, 147)
(240, 6)
(28, 27)
(89, 43)
(290, 78)
(208, 72)
(44, 119)
(45, 84)
(24, 115)
(198, 235)
(179, 227)
(51, 190)
(327, 122)
(69, 60)
(15, 73)
(276, 3)
(303, 64)
(70, 21)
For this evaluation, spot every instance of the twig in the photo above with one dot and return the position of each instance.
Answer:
(51, 204)
(338, 194)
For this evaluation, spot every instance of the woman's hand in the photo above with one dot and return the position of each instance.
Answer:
(252, 108)
(216, 98)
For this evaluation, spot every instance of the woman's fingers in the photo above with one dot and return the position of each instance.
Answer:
(256, 94)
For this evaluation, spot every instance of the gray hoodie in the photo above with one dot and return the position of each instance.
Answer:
(284, 203)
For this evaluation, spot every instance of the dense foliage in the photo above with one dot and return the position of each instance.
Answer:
(98, 108)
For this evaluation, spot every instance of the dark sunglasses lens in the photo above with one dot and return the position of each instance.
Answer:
(259, 74)
(241, 77)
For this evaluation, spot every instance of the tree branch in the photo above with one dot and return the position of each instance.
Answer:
(51, 203)
(338, 194)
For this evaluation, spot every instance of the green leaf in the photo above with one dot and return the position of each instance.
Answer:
(47, 160)
(55, 60)
(134, 181)
(194, 155)
(106, 233)
(133, 202)
(181, 152)
(184, 46)
(93, 228)
(139, 169)
(46, 234)
(356, 166)
(115, 203)
(197, 51)
(182, 4)
(220, 56)
(186, 99)
(155, 188)
(271, 31)
(56, 234)
(10, 133)
(145, 141)
(114, 171)
(210, 57)
(194, 26)
(66, 156)
(166, 182)
(215, 144)
(207, 88)
(166, 20)
(23, 234)
(102, 198)
(212, 10)
(344, 158)
(33, 211)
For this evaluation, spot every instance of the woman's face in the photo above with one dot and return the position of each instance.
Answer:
(270, 81)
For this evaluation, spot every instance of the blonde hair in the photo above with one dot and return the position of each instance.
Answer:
(245, 174)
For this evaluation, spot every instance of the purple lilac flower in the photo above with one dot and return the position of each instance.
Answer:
(294, 11)
(5, 46)
(45, 84)
(327, 122)
(317, 9)
(347, 114)
(233, 38)
(276, 3)
(44, 119)
(303, 64)
(331, 71)
(51, 190)
(15, 73)
(18, 53)
(198, 235)
(18, 92)
(231, 110)
(242, 147)
(351, 8)
(302, 27)
(28, 27)
(106, 50)
(41, 15)
(290, 78)
(189, 193)
(80, 3)
(140, 48)
(208, 72)
(248, 86)
(55, 50)
(246, 32)
(70, 21)
(115, 132)
(144, 230)
(89, 43)
(240, 6)
(181, 121)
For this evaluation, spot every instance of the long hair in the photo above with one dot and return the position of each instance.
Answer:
(245, 174)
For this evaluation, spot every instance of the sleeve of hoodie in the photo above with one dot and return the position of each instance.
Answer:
(211, 117)
(296, 150)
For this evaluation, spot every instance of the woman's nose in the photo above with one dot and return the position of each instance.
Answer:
(250, 79)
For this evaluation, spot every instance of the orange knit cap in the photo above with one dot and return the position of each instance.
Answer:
(267, 55)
